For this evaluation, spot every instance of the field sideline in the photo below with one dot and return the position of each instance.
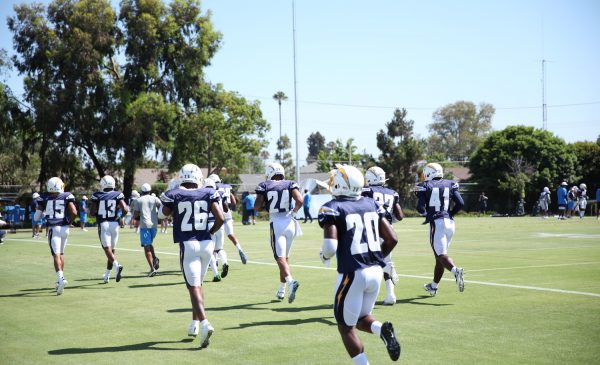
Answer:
(532, 296)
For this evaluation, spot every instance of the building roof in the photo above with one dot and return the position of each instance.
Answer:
(461, 174)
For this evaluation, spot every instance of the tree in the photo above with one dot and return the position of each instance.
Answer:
(280, 96)
(284, 157)
(400, 152)
(316, 144)
(588, 160)
(459, 128)
(523, 153)
(338, 152)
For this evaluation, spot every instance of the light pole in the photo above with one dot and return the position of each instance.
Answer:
(295, 91)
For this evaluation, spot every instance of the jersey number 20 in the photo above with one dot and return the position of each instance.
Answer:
(368, 223)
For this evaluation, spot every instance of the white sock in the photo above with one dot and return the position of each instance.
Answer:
(204, 322)
(360, 359)
(434, 285)
(376, 328)
(195, 322)
(213, 265)
(223, 256)
(59, 276)
(239, 247)
(453, 269)
(282, 286)
(116, 264)
(389, 286)
(289, 279)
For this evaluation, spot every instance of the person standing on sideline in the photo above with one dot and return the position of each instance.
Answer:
(60, 210)
(145, 212)
(83, 212)
(248, 202)
(275, 195)
(571, 201)
(582, 200)
(36, 225)
(306, 206)
(190, 205)
(352, 227)
(544, 202)
(230, 200)
(434, 194)
(561, 199)
(105, 204)
(598, 203)
(390, 201)
(133, 223)
(482, 203)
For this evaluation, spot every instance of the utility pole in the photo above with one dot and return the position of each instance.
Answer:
(295, 90)
(544, 111)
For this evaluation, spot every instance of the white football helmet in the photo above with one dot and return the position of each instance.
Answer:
(375, 176)
(55, 185)
(582, 186)
(107, 182)
(35, 196)
(146, 188)
(209, 183)
(274, 168)
(135, 194)
(546, 189)
(173, 184)
(190, 173)
(215, 178)
(347, 180)
(432, 170)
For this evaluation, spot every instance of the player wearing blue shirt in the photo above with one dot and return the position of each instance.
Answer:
(105, 205)
(561, 199)
(275, 195)
(434, 196)
(190, 207)
(59, 209)
(83, 212)
(352, 227)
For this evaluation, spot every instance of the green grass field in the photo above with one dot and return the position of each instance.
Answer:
(532, 296)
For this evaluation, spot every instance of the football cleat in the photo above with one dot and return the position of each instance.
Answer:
(106, 277)
(152, 273)
(430, 289)
(155, 263)
(293, 288)
(460, 281)
(60, 287)
(217, 278)
(389, 339)
(243, 257)
(207, 331)
(389, 300)
(225, 271)
(280, 294)
(193, 329)
(119, 270)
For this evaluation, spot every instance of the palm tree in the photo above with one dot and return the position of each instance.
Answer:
(279, 96)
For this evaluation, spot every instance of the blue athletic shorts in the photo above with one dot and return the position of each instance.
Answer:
(147, 236)
(83, 217)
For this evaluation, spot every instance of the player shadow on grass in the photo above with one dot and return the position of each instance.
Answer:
(415, 301)
(288, 322)
(250, 306)
(150, 345)
(49, 292)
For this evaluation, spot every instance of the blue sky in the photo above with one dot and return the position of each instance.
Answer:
(358, 61)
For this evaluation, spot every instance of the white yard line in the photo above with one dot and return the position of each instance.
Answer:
(526, 287)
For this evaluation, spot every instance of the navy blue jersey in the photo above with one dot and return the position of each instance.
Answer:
(107, 203)
(226, 189)
(55, 208)
(190, 209)
(386, 197)
(277, 195)
(434, 199)
(357, 223)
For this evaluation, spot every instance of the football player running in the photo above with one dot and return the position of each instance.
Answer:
(434, 195)
(190, 206)
(218, 238)
(59, 209)
(352, 227)
(104, 208)
(275, 195)
(230, 200)
(390, 201)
